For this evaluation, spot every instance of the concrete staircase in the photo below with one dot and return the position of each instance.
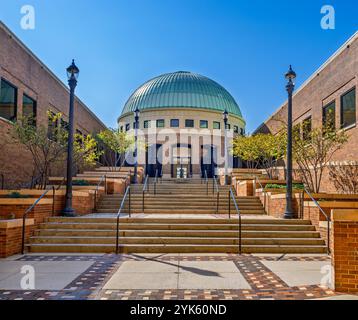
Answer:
(180, 197)
(180, 218)
(179, 235)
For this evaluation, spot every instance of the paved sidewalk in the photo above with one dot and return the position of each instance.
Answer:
(168, 276)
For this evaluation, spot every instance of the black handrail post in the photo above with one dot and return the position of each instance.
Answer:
(240, 235)
(229, 204)
(53, 200)
(2, 181)
(130, 209)
(117, 237)
(217, 203)
(23, 234)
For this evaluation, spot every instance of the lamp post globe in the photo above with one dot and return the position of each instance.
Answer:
(72, 75)
(290, 77)
(136, 121)
(226, 118)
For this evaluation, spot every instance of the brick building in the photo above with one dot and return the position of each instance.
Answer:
(331, 89)
(29, 87)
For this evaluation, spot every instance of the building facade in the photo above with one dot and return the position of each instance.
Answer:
(28, 87)
(331, 90)
(181, 123)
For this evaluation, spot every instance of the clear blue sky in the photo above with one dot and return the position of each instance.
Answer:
(244, 45)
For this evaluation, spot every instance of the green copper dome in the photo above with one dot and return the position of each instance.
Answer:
(182, 90)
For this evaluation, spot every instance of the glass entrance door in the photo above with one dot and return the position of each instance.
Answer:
(181, 167)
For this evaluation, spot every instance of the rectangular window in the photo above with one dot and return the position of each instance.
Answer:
(189, 123)
(160, 123)
(242, 131)
(204, 124)
(128, 127)
(228, 127)
(307, 128)
(65, 125)
(29, 108)
(329, 116)
(236, 129)
(52, 126)
(348, 109)
(146, 124)
(8, 101)
(216, 125)
(174, 123)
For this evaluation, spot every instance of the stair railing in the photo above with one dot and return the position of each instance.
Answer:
(328, 218)
(54, 189)
(156, 181)
(126, 195)
(25, 216)
(206, 181)
(232, 198)
(145, 189)
(96, 191)
(257, 180)
(217, 190)
(2, 181)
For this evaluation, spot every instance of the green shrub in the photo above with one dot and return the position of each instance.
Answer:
(81, 183)
(17, 195)
(297, 186)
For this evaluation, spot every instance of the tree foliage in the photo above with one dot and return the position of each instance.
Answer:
(50, 150)
(313, 149)
(115, 142)
(262, 150)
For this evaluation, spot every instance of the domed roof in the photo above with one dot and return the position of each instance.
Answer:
(182, 90)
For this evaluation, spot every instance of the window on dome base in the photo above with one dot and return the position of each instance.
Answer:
(216, 125)
(174, 123)
(204, 124)
(189, 123)
(146, 124)
(160, 123)
(236, 129)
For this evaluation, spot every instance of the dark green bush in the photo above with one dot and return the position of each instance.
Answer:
(81, 183)
(17, 195)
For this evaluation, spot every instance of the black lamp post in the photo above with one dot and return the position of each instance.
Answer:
(290, 76)
(72, 74)
(226, 118)
(136, 119)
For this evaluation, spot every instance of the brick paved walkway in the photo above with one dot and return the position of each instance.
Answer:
(264, 283)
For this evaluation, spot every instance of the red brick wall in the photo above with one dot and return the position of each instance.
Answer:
(339, 76)
(32, 78)
(39, 213)
(345, 255)
(11, 240)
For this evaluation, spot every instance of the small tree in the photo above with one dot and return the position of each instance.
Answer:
(115, 142)
(262, 150)
(50, 151)
(247, 149)
(344, 176)
(313, 150)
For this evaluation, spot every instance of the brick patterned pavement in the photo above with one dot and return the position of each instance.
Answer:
(264, 283)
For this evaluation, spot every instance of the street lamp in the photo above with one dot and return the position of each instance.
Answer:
(290, 76)
(226, 118)
(136, 119)
(72, 74)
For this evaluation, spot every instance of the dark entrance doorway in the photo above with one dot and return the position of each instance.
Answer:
(208, 160)
(154, 160)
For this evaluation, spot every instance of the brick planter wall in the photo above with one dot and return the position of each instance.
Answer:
(11, 236)
(345, 250)
(244, 188)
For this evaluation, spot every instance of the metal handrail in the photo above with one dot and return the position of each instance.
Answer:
(2, 181)
(216, 188)
(25, 216)
(156, 181)
(328, 218)
(127, 194)
(263, 190)
(103, 179)
(145, 188)
(232, 197)
(206, 181)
